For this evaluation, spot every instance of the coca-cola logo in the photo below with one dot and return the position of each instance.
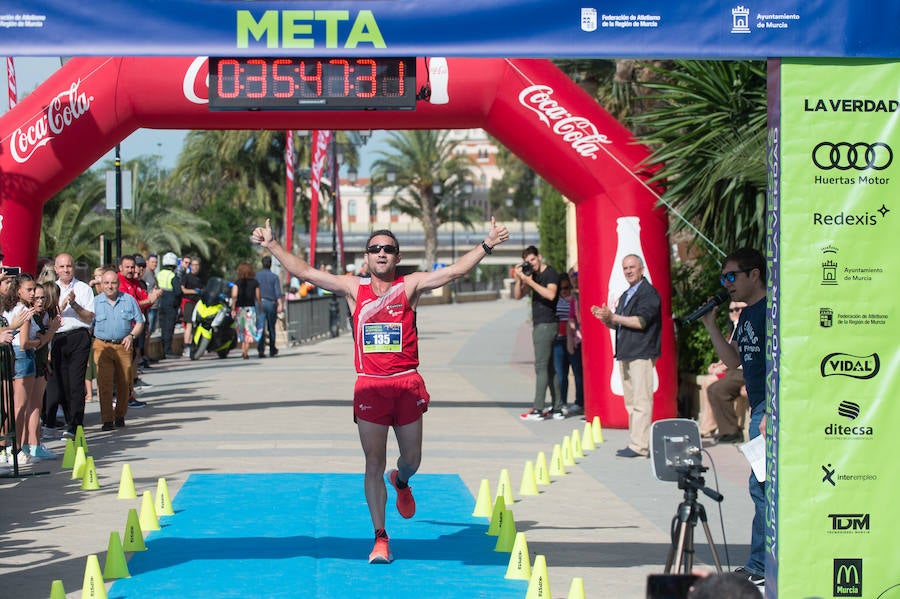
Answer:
(63, 110)
(192, 85)
(577, 131)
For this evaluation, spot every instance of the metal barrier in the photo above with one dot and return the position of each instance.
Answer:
(311, 318)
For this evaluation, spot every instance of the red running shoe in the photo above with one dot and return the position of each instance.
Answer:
(381, 553)
(406, 505)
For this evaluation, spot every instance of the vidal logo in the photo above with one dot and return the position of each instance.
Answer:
(857, 367)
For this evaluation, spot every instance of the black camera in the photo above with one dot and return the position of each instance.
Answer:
(527, 269)
(12, 270)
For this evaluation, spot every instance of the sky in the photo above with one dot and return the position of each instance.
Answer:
(167, 144)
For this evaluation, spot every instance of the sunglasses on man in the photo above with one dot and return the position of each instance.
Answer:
(730, 275)
(388, 249)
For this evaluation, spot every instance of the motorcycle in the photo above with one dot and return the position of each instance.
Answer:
(213, 324)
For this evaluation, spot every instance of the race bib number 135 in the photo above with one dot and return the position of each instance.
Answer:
(382, 337)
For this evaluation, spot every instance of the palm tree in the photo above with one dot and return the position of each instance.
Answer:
(156, 223)
(425, 162)
(709, 133)
(72, 221)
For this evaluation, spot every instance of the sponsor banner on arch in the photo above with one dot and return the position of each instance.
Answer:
(839, 313)
(611, 28)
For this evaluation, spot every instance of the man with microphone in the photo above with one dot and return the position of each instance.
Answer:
(744, 278)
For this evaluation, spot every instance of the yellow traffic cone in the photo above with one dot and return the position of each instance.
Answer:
(496, 517)
(93, 580)
(541, 473)
(529, 484)
(483, 505)
(539, 583)
(567, 458)
(519, 567)
(89, 481)
(68, 459)
(557, 468)
(115, 565)
(134, 538)
(149, 521)
(504, 488)
(588, 437)
(80, 440)
(507, 537)
(596, 430)
(80, 463)
(576, 589)
(57, 591)
(163, 501)
(577, 450)
(126, 484)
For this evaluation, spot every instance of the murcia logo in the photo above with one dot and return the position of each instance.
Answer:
(826, 318)
(857, 367)
(848, 577)
(849, 523)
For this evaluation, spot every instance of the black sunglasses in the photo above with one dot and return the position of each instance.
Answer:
(388, 249)
(730, 275)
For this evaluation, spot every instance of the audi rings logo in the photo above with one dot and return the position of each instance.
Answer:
(859, 156)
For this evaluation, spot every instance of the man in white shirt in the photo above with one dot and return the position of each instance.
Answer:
(71, 346)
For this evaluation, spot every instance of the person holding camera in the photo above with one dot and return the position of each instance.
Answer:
(541, 281)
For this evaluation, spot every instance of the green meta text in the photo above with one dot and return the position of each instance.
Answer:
(306, 29)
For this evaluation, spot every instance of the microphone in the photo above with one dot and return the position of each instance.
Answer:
(709, 305)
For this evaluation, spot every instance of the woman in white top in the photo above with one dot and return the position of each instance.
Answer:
(18, 303)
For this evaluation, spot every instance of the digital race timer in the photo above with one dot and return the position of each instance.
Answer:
(375, 83)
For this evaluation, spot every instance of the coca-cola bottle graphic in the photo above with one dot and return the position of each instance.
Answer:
(439, 77)
(628, 232)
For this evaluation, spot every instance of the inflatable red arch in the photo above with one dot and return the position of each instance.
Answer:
(530, 106)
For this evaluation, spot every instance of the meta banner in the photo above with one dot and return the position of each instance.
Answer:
(586, 28)
(834, 512)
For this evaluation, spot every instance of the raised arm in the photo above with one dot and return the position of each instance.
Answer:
(425, 281)
(300, 268)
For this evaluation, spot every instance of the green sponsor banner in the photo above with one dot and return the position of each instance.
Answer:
(838, 410)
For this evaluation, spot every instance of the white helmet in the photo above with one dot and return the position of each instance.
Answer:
(169, 259)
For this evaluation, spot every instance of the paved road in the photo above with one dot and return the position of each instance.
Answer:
(606, 521)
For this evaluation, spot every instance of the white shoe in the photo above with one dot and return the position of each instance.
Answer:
(27, 458)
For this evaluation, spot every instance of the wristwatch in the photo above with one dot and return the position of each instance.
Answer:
(487, 249)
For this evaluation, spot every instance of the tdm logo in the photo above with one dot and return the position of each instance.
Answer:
(848, 577)
(849, 523)
(857, 367)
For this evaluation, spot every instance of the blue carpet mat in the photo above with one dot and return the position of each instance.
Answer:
(309, 535)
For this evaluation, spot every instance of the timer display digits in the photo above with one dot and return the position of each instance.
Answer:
(312, 83)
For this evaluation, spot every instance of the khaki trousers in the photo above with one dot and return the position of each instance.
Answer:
(113, 367)
(637, 383)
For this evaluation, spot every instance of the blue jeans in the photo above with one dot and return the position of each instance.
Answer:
(562, 360)
(266, 325)
(756, 563)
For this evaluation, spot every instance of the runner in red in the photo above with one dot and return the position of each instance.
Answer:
(389, 391)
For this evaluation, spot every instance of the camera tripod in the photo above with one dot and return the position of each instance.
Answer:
(689, 511)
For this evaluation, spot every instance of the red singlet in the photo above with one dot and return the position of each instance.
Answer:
(384, 331)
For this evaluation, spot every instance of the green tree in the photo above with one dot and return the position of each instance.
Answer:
(708, 131)
(552, 228)
(72, 221)
(420, 159)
